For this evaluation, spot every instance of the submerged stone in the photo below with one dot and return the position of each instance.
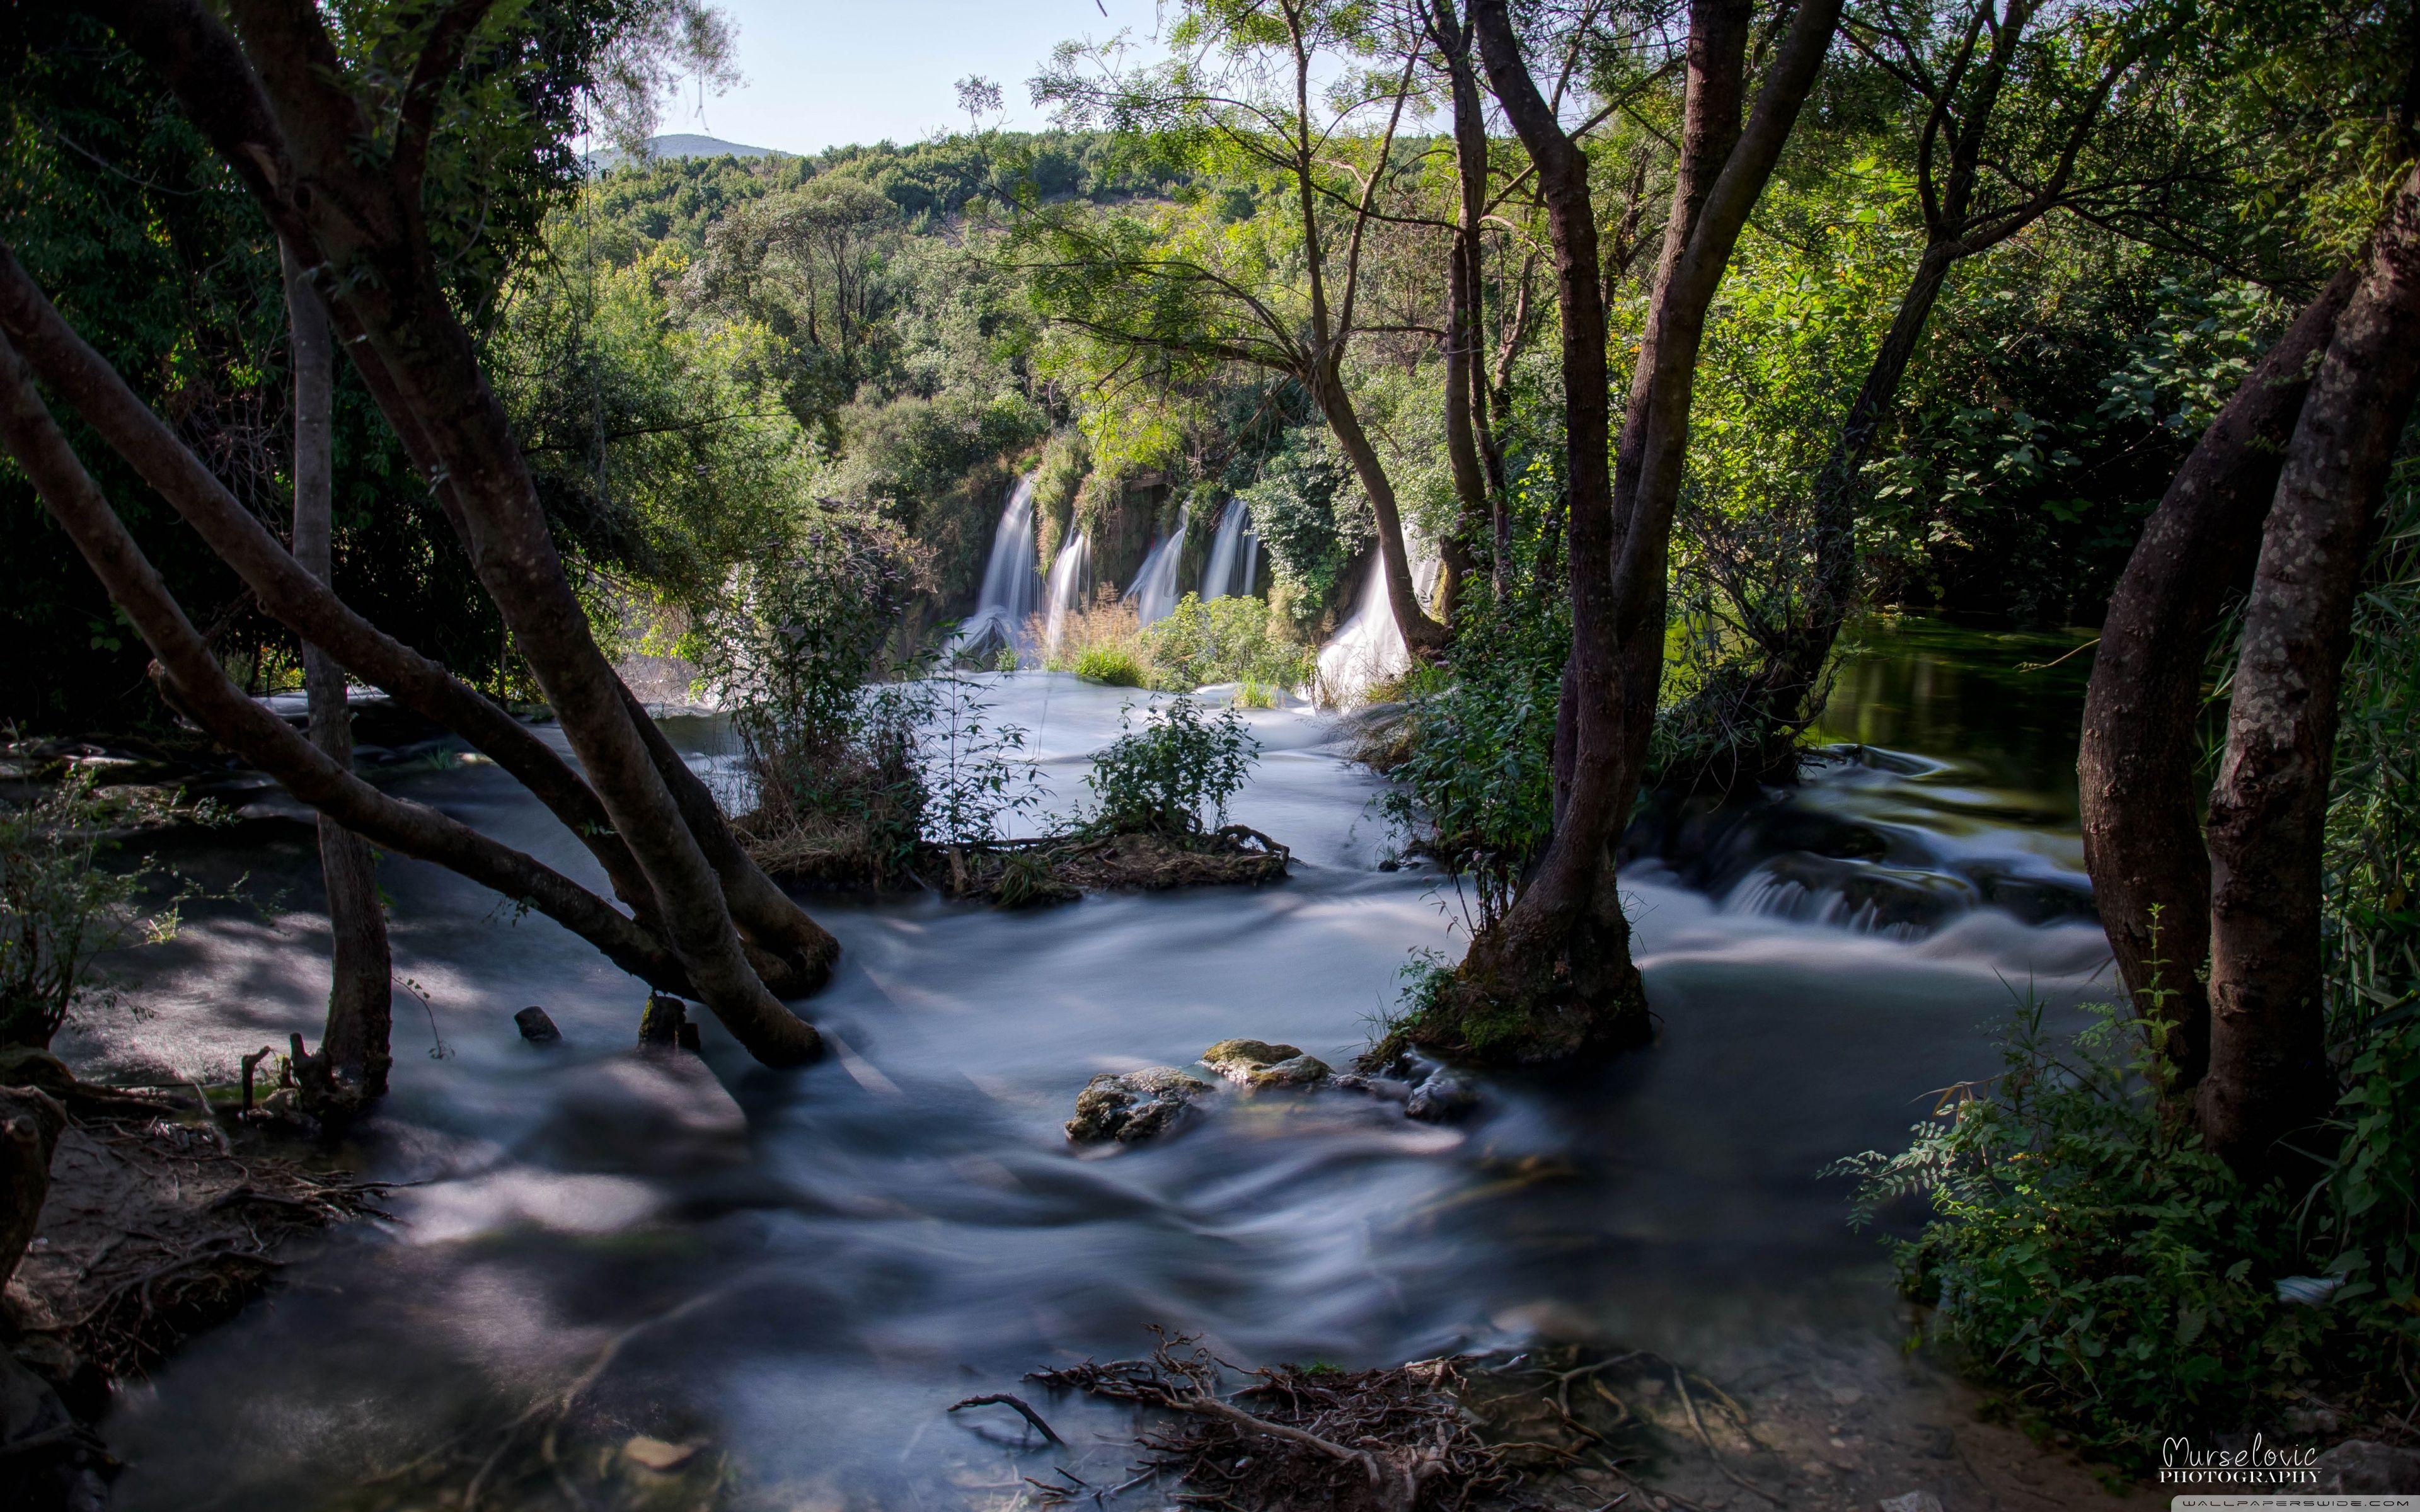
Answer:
(535, 1026)
(1133, 1105)
(1443, 1097)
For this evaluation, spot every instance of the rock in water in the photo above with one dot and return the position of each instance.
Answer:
(2365, 1465)
(661, 1025)
(1258, 1063)
(1133, 1105)
(535, 1026)
(1442, 1098)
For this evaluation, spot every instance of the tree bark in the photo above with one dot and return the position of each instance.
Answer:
(203, 691)
(1463, 383)
(30, 1124)
(799, 952)
(277, 107)
(2136, 761)
(1561, 954)
(1424, 636)
(354, 1045)
(2268, 1079)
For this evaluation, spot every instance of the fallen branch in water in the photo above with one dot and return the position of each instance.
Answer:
(1375, 1440)
(1003, 1399)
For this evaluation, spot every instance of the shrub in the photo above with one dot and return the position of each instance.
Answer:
(1222, 641)
(1113, 665)
(1165, 778)
(60, 907)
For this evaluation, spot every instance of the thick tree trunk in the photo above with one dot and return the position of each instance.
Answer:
(2135, 762)
(277, 108)
(30, 1124)
(2268, 1078)
(353, 1048)
(1559, 959)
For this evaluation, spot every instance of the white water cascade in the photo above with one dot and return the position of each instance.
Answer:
(1154, 592)
(1236, 545)
(1369, 646)
(1012, 584)
(1071, 574)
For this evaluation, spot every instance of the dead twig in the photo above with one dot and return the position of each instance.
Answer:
(1003, 1399)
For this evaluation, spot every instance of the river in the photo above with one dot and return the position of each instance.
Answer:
(806, 1269)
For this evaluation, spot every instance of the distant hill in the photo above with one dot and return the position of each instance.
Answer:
(684, 145)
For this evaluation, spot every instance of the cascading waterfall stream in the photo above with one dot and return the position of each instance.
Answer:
(1154, 592)
(1236, 545)
(1071, 574)
(1012, 583)
(1369, 646)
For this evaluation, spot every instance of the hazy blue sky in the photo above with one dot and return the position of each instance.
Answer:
(821, 72)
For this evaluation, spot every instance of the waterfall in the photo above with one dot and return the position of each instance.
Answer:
(1369, 646)
(1235, 545)
(1011, 585)
(1069, 573)
(1154, 592)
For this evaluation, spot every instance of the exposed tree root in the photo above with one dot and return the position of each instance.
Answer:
(1389, 1441)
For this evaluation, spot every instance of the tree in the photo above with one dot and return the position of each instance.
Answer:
(351, 1066)
(1282, 292)
(351, 171)
(2020, 113)
(1557, 965)
(2276, 503)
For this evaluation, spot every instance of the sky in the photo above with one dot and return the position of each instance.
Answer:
(823, 73)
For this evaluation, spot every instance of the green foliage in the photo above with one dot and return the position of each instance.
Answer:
(1173, 776)
(1221, 640)
(62, 907)
(1312, 516)
(1111, 666)
(1473, 757)
(2117, 1276)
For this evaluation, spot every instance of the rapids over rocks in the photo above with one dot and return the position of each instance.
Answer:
(806, 1269)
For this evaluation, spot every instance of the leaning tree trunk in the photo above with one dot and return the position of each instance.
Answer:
(1424, 636)
(277, 106)
(1785, 700)
(352, 1065)
(2141, 799)
(2268, 1078)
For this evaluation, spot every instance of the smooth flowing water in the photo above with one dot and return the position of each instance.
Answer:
(1011, 582)
(1235, 554)
(1154, 592)
(1071, 579)
(806, 1269)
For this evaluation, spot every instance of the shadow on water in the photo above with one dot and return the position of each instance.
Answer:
(806, 1269)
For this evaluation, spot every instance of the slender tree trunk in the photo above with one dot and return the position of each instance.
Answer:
(1464, 386)
(353, 1048)
(2135, 762)
(1791, 679)
(2268, 1078)
(1423, 635)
